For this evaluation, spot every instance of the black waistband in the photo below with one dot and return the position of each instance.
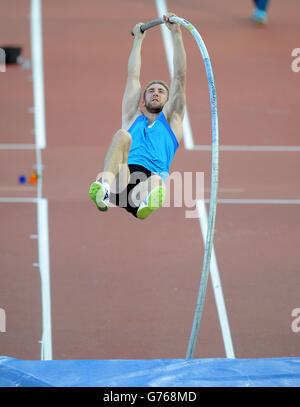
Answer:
(139, 168)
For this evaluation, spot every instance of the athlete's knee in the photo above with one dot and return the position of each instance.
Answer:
(123, 138)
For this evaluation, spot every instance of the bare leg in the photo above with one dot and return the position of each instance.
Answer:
(116, 158)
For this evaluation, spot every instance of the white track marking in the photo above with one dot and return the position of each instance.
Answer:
(188, 143)
(17, 200)
(17, 188)
(17, 146)
(259, 201)
(42, 203)
(251, 148)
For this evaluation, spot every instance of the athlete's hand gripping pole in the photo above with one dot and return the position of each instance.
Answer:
(153, 23)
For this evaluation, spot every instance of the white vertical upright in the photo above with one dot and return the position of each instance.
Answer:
(42, 203)
(44, 266)
(37, 74)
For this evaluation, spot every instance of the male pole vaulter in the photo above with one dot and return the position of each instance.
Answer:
(140, 154)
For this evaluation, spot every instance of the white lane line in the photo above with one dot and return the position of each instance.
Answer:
(42, 203)
(259, 201)
(17, 146)
(37, 74)
(18, 188)
(220, 201)
(189, 145)
(226, 190)
(17, 200)
(250, 148)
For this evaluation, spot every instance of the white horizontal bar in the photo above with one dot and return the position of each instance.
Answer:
(18, 200)
(17, 147)
(249, 148)
(259, 201)
(17, 188)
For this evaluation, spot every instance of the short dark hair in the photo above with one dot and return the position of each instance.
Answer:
(157, 81)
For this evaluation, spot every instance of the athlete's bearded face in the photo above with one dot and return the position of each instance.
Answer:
(156, 97)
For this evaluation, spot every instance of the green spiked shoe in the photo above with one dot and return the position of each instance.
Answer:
(99, 195)
(153, 201)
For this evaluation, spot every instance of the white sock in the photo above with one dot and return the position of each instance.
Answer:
(142, 205)
(106, 186)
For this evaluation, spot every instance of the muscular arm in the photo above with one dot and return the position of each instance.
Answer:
(132, 94)
(174, 108)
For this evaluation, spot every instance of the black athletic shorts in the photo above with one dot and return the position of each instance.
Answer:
(123, 199)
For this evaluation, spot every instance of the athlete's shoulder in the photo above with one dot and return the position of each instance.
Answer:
(137, 117)
(175, 123)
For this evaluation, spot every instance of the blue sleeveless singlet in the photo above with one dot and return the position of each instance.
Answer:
(152, 146)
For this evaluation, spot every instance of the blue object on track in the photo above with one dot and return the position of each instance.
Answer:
(22, 179)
